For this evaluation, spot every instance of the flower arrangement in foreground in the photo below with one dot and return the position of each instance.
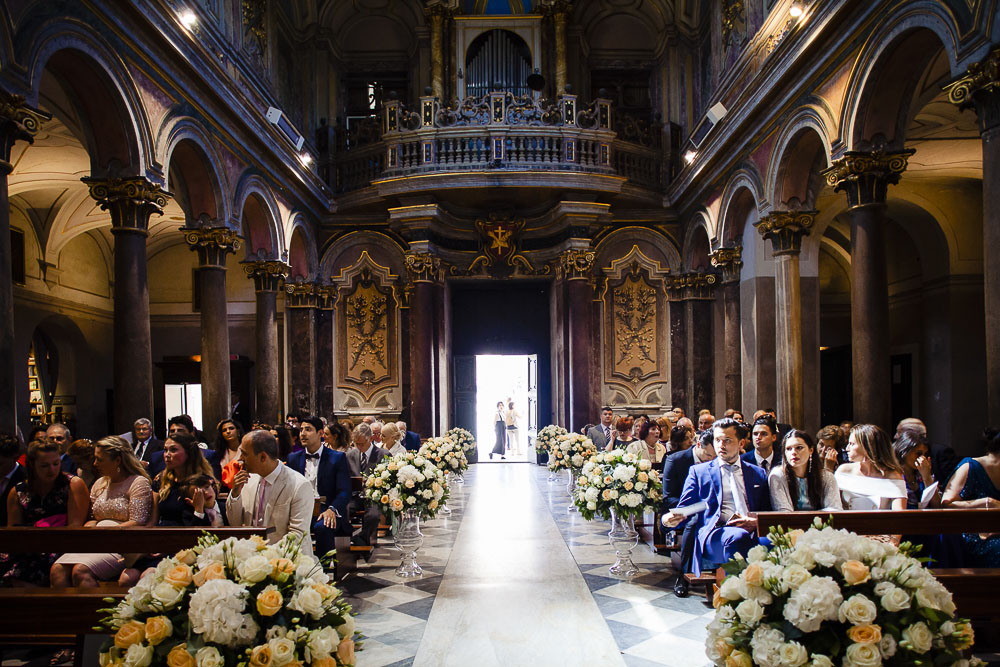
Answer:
(828, 597)
(234, 602)
(618, 482)
(570, 451)
(462, 438)
(547, 437)
(445, 453)
(409, 481)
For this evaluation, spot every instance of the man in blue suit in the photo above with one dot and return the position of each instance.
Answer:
(733, 490)
(675, 472)
(330, 475)
(411, 440)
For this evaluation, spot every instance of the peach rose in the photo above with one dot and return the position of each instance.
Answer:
(269, 601)
(186, 556)
(855, 572)
(717, 598)
(179, 576)
(325, 591)
(739, 659)
(432, 505)
(179, 657)
(723, 647)
(754, 575)
(213, 571)
(158, 628)
(281, 568)
(397, 504)
(384, 500)
(324, 662)
(866, 633)
(260, 656)
(793, 535)
(345, 651)
(259, 541)
(132, 632)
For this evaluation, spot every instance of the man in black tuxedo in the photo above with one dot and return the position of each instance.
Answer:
(11, 472)
(675, 470)
(363, 458)
(944, 460)
(411, 440)
(330, 475)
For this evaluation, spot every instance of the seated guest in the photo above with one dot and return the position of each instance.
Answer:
(637, 422)
(121, 497)
(800, 483)
(228, 435)
(664, 425)
(329, 475)
(143, 442)
(675, 470)
(82, 453)
(873, 479)
(338, 437)
(362, 459)
(765, 435)
(733, 491)
(944, 460)
(268, 494)
(622, 435)
(832, 447)
(680, 439)
(11, 472)
(377, 434)
(705, 421)
(684, 422)
(973, 486)
(183, 460)
(733, 413)
(284, 438)
(200, 492)
(411, 440)
(60, 435)
(392, 440)
(182, 424)
(648, 445)
(782, 428)
(47, 496)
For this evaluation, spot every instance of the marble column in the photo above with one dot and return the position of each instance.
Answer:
(679, 358)
(17, 123)
(436, 15)
(980, 89)
(213, 244)
(691, 348)
(426, 275)
(730, 262)
(130, 201)
(326, 299)
(559, 20)
(575, 265)
(267, 276)
(300, 318)
(865, 178)
(785, 230)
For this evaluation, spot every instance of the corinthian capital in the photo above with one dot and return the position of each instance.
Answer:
(129, 200)
(785, 230)
(694, 285)
(212, 244)
(300, 294)
(424, 267)
(729, 261)
(865, 177)
(17, 123)
(267, 274)
(980, 89)
(576, 263)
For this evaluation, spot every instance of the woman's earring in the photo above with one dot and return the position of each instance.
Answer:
(809, 467)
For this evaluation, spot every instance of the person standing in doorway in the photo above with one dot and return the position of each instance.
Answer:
(511, 418)
(500, 428)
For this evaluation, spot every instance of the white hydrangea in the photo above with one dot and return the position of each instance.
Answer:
(816, 600)
(216, 612)
(766, 644)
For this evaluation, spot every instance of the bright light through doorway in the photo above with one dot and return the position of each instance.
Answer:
(502, 378)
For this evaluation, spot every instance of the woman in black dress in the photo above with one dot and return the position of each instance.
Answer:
(182, 459)
(500, 428)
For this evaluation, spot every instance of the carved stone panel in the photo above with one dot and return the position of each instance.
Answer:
(634, 330)
(367, 336)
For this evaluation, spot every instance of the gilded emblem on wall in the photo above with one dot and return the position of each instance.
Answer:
(367, 344)
(635, 317)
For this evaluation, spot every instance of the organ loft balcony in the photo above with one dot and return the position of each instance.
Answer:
(530, 147)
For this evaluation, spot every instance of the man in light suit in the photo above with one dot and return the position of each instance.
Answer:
(268, 494)
(733, 490)
(330, 475)
(602, 433)
(363, 458)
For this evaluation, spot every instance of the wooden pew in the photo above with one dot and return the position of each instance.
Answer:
(63, 616)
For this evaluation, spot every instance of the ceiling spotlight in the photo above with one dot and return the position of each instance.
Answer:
(305, 159)
(795, 11)
(188, 18)
(690, 156)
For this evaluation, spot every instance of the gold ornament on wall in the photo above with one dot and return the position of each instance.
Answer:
(635, 317)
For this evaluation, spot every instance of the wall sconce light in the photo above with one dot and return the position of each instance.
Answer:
(795, 11)
(305, 159)
(689, 156)
(188, 19)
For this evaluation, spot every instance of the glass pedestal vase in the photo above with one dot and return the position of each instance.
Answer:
(570, 488)
(553, 476)
(459, 478)
(408, 539)
(623, 538)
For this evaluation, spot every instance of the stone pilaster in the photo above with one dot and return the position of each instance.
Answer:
(326, 301)
(692, 358)
(300, 317)
(426, 272)
(267, 276)
(730, 262)
(575, 266)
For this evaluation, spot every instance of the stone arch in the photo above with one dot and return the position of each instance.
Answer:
(116, 130)
(257, 217)
(743, 194)
(623, 238)
(697, 245)
(794, 174)
(345, 251)
(193, 172)
(301, 250)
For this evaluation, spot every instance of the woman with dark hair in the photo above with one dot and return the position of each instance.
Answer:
(873, 479)
(681, 438)
(500, 431)
(831, 445)
(182, 460)
(801, 483)
(228, 435)
(338, 438)
(47, 497)
(284, 438)
(649, 435)
(976, 483)
(911, 451)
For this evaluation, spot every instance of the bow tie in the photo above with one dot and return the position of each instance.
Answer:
(312, 456)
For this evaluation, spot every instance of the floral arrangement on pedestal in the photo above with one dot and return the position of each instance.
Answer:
(828, 597)
(570, 451)
(547, 437)
(445, 453)
(462, 438)
(234, 602)
(617, 482)
(410, 481)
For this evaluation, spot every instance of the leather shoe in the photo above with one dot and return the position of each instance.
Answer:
(681, 587)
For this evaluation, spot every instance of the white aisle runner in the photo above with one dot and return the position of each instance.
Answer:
(512, 593)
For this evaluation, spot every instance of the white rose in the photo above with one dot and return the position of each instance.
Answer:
(793, 654)
(857, 609)
(917, 638)
(167, 595)
(794, 576)
(282, 651)
(749, 612)
(803, 555)
(730, 588)
(887, 647)
(862, 655)
(254, 569)
(591, 506)
(894, 598)
(323, 642)
(209, 656)
(138, 655)
(825, 558)
(308, 601)
(757, 553)
(346, 629)
(644, 465)
(819, 660)
(934, 595)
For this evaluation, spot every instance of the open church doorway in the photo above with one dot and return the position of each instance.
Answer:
(506, 395)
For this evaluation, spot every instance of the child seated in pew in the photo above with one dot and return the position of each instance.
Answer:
(200, 494)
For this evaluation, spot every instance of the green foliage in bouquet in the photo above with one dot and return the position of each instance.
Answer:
(462, 438)
(548, 437)
(407, 482)
(617, 481)
(445, 453)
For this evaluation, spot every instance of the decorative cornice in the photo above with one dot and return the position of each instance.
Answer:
(212, 244)
(732, 16)
(424, 267)
(865, 177)
(785, 230)
(576, 263)
(730, 261)
(130, 201)
(980, 89)
(17, 123)
(300, 295)
(267, 274)
(694, 285)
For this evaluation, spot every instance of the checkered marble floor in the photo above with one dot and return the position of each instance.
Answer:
(651, 625)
